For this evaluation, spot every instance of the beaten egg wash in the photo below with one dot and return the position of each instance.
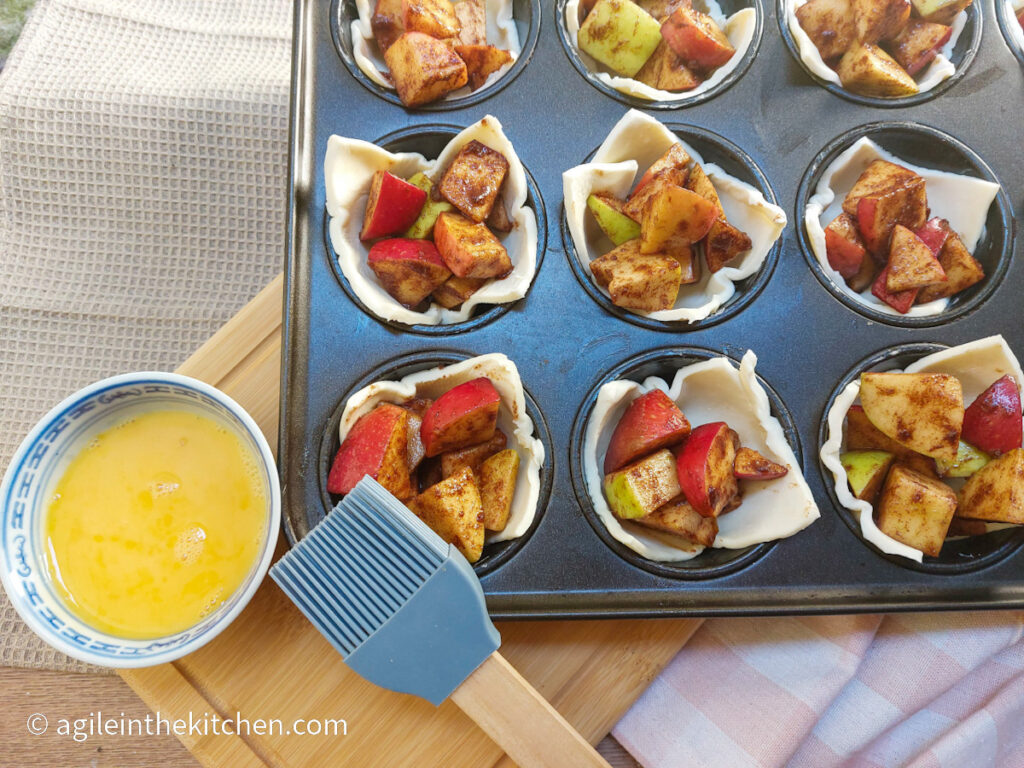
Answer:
(155, 523)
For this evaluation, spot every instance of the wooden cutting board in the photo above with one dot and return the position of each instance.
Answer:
(270, 664)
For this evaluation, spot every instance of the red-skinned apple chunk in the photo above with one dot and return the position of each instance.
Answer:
(878, 214)
(919, 43)
(901, 301)
(696, 38)
(392, 206)
(473, 180)
(844, 247)
(962, 270)
(377, 445)
(993, 421)
(934, 234)
(751, 465)
(409, 270)
(469, 249)
(705, 466)
(651, 422)
(464, 415)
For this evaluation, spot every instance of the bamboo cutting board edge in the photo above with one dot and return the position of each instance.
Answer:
(271, 663)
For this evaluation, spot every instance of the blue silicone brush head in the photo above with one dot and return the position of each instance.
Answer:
(402, 607)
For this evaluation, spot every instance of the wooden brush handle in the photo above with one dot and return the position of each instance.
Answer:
(520, 720)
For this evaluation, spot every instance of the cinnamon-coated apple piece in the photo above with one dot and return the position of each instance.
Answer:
(431, 17)
(862, 435)
(705, 467)
(386, 23)
(638, 489)
(409, 270)
(751, 465)
(879, 213)
(844, 247)
(865, 276)
(472, 456)
(868, 70)
(901, 301)
(423, 227)
(911, 262)
(699, 182)
(923, 411)
(497, 480)
(680, 518)
(993, 421)
(392, 206)
(472, 18)
(641, 282)
(934, 234)
(919, 43)
(619, 34)
(667, 72)
(453, 509)
(696, 38)
(465, 415)
(996, 491)
(689, 264)
(456, 290)
(878, 20)
(424, 68)
(651, 422)
(879, 177)
(482, 61)
(940, 11)
(473, 180)
(723, 243)
(673, 167)
(608, 213)
(865, 472)
(376, 445)
(675, 217)
(969, 459)
(962, 270)
(916, 510)
(469, 249)
(829, 24)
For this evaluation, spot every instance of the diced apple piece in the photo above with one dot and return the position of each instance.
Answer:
(705, 465)
(613, 222)
(649, 73)
(862, 435)
(934, 234)
(661, 9)
(993, 421)
(466, 414)
(497, 476)
(640, 488)
(829, 24)
(386, 23)
(453, 510)
(455, 290)
(879, 177)
(751, 465)
(472, 18)
(409, 270)
(723, 243)
(675, 217)
(968, 461)
(868, 70)
(431, 17)
(644, 283)
(878, 214)
(902, 301)
(392, 205)
(916, 510)
(843, 246)
(620, 35)
(498, 219)
(919, 43)
(696, 38)
(424, 68)
(417, 405)
(377, 446)
(672, 168)
(680, 518)
(651, 422)
(940, 11)
(877, 20)
(675, 75)
(923, 411)
(423, 227)
(996, 491)
(415, 452)
(482, 61)
(472, 456)
(866, 471)
(473, 180)
(689, 264)
(911, 262)
(699, 182)
(865, 276)
(469, 249)
(962, 271)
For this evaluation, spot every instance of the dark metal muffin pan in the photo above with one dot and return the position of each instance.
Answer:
(564, 342)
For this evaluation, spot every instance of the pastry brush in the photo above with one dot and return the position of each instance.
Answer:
(407, 613)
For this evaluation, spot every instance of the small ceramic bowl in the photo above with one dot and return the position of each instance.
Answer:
(37, 467)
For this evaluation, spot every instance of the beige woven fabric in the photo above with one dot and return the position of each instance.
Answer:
(143, 165)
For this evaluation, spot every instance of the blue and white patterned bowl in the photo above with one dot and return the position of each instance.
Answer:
(37, 467)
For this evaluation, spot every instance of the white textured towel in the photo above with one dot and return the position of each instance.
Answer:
(143, 167)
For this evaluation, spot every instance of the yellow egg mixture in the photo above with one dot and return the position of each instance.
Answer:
(155, 523)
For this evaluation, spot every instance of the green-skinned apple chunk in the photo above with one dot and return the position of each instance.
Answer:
(620, 35)
(613, 222)
(640, 488)
(866, 471)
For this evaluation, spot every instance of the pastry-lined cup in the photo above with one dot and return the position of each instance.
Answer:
(512, 25)
(707, 387)
(960, 188)
(633, 145)
(430, 374)
(1006, 12)
(349, 166)
(977, 365)
(948, 67)
(741, 21)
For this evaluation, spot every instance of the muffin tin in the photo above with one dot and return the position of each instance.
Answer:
(565, 343)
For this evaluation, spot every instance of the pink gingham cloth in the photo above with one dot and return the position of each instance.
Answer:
(915, 691)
